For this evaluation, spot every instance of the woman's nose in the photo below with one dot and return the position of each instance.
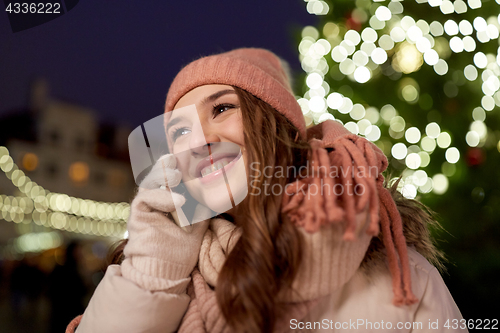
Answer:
(200, 138)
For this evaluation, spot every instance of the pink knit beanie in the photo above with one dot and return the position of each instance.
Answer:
(258, 71)
(261, 73)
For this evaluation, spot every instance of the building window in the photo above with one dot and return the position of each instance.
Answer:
(117, 178)
(79, 143)
(52, 170)
(99, 178)
(54, 136)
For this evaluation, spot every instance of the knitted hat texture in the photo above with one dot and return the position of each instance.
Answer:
(258, 71)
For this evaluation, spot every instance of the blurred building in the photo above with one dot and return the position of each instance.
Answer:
(62, 147)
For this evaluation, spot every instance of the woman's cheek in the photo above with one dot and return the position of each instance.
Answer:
(184, 169)
(182, 166)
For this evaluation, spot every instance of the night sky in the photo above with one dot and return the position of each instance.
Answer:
(119, 57)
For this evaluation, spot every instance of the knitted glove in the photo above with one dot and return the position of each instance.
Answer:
(163, 174)
(159, 254)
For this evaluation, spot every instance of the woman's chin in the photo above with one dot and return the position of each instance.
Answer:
(218, 205)
(221, 201)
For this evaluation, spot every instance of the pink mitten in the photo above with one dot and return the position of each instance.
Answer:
(160, 255)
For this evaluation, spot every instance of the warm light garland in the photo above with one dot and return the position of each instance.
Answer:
(56, 210)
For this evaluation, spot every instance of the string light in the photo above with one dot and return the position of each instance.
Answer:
(57, 210)
(396, 41)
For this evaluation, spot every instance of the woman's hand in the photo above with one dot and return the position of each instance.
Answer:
(163, 174)
(158, 249)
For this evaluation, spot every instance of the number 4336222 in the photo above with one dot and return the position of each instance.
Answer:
(33, 8)
(478, 324)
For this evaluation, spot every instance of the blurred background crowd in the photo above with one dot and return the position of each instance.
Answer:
(420, 78)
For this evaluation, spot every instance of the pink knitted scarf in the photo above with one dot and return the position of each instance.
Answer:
(354, 160)
(329, 262)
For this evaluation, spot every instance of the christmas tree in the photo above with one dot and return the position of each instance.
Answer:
(420, 78)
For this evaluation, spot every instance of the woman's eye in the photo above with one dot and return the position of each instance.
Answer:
(179, 132)
(220, 108)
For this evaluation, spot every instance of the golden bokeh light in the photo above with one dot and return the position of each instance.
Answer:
(407, 58)
(30, 162)
(79, 172)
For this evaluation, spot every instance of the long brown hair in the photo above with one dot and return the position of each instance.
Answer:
(266, 258)
(418, 223)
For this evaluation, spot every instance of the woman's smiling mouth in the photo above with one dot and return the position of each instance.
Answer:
(213, 166)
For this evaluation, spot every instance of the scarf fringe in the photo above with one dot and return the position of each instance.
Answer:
(320, 199)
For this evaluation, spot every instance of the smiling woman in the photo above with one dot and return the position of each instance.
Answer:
(309, 254)
(208, 143)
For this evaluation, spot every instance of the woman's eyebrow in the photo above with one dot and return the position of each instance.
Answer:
(206, 100)
(213, 97)
(172, 122)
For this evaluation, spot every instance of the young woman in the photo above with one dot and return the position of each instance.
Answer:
(316, 243)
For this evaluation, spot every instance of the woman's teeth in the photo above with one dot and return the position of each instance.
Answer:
(214, 167)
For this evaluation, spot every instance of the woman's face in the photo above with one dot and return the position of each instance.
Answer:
(208, 143)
